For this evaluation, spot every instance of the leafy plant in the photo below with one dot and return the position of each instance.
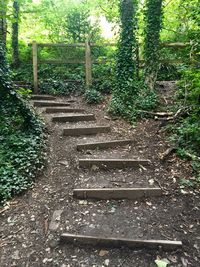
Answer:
(92, 96)
(21, 138)
(58, 87)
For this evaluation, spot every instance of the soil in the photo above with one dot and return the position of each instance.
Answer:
(29, 237)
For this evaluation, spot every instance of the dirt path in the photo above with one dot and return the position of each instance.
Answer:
(31, 226)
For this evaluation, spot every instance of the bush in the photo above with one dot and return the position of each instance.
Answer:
(58, 87)
(130, 105)
(21, 150)
(186, 131)
(92, 96)
(21, 138)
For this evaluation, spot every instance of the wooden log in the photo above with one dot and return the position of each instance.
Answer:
(42, 97)
(112, 163)
(102, 145)
(116, 193)
(111, 242)
(63, 110)
(74, 118)
(50, 104)
(85, 130)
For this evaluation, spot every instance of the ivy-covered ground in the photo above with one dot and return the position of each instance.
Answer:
(25, 221)
(21, 149)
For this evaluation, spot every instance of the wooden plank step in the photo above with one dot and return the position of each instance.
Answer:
(71, 100)
(112, 163)
(99, 241)
(63, 110)
(116, 193)
(77, 131)
(74, 118)
(102, 145)
(43, 97)
(50, 104)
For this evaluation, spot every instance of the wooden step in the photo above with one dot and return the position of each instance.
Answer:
(50, 104)
(112, 163)
(77, 131)
(99, 241)
(103, 145)
(71, 100)
(116, 193)
(74, 118)
(63, 110)
(43, 97)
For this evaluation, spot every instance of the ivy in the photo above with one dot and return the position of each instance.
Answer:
(153, 21)
(129, 94)
(125, 75)
(21, 138)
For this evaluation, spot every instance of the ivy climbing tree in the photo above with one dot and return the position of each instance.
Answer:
(126, 67)
(153, 21)
(15, 33)
(3, 22)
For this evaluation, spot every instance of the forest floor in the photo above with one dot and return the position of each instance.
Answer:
(30, 233)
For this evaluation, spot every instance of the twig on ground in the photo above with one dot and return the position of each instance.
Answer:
(167, 153)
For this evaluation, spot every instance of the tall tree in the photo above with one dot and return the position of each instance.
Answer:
(15, 33)
(153, 20)
(126, 68)
(3, 22)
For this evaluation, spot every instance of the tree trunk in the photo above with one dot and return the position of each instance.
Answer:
(3, 23)
(126, 50)
(152, 41)
(15, 33)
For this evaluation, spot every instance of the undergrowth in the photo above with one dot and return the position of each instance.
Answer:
(21, 151)
(130, 104)
(22, 140)
(186, 131)
(92, 96)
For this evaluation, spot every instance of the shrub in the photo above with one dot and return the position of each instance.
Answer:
(92, 96)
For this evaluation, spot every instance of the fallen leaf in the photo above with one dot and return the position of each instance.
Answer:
(103, 252)
(161, 263)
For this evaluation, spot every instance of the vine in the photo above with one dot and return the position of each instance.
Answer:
(126, 67)
(21, 138)
(153, 21)
(130, 94)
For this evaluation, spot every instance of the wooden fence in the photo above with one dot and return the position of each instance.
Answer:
(88, 58)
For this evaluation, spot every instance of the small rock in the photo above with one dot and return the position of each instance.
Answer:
(54, 224)
(106, 262)
(83, 202)
(151, 182)
(103, 252)
(15, 255)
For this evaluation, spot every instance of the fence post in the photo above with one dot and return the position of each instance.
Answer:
(35, 66)
(88, 64)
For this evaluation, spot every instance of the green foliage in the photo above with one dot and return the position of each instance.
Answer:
(168, 72)
(92, 96)
(125, 86)
(21, 157)
(58, 87)
(153, 19)
(186, 131)
(21, 138)
(130, 107)
(78, 25)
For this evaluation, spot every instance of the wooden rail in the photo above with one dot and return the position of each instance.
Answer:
(88, 62)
